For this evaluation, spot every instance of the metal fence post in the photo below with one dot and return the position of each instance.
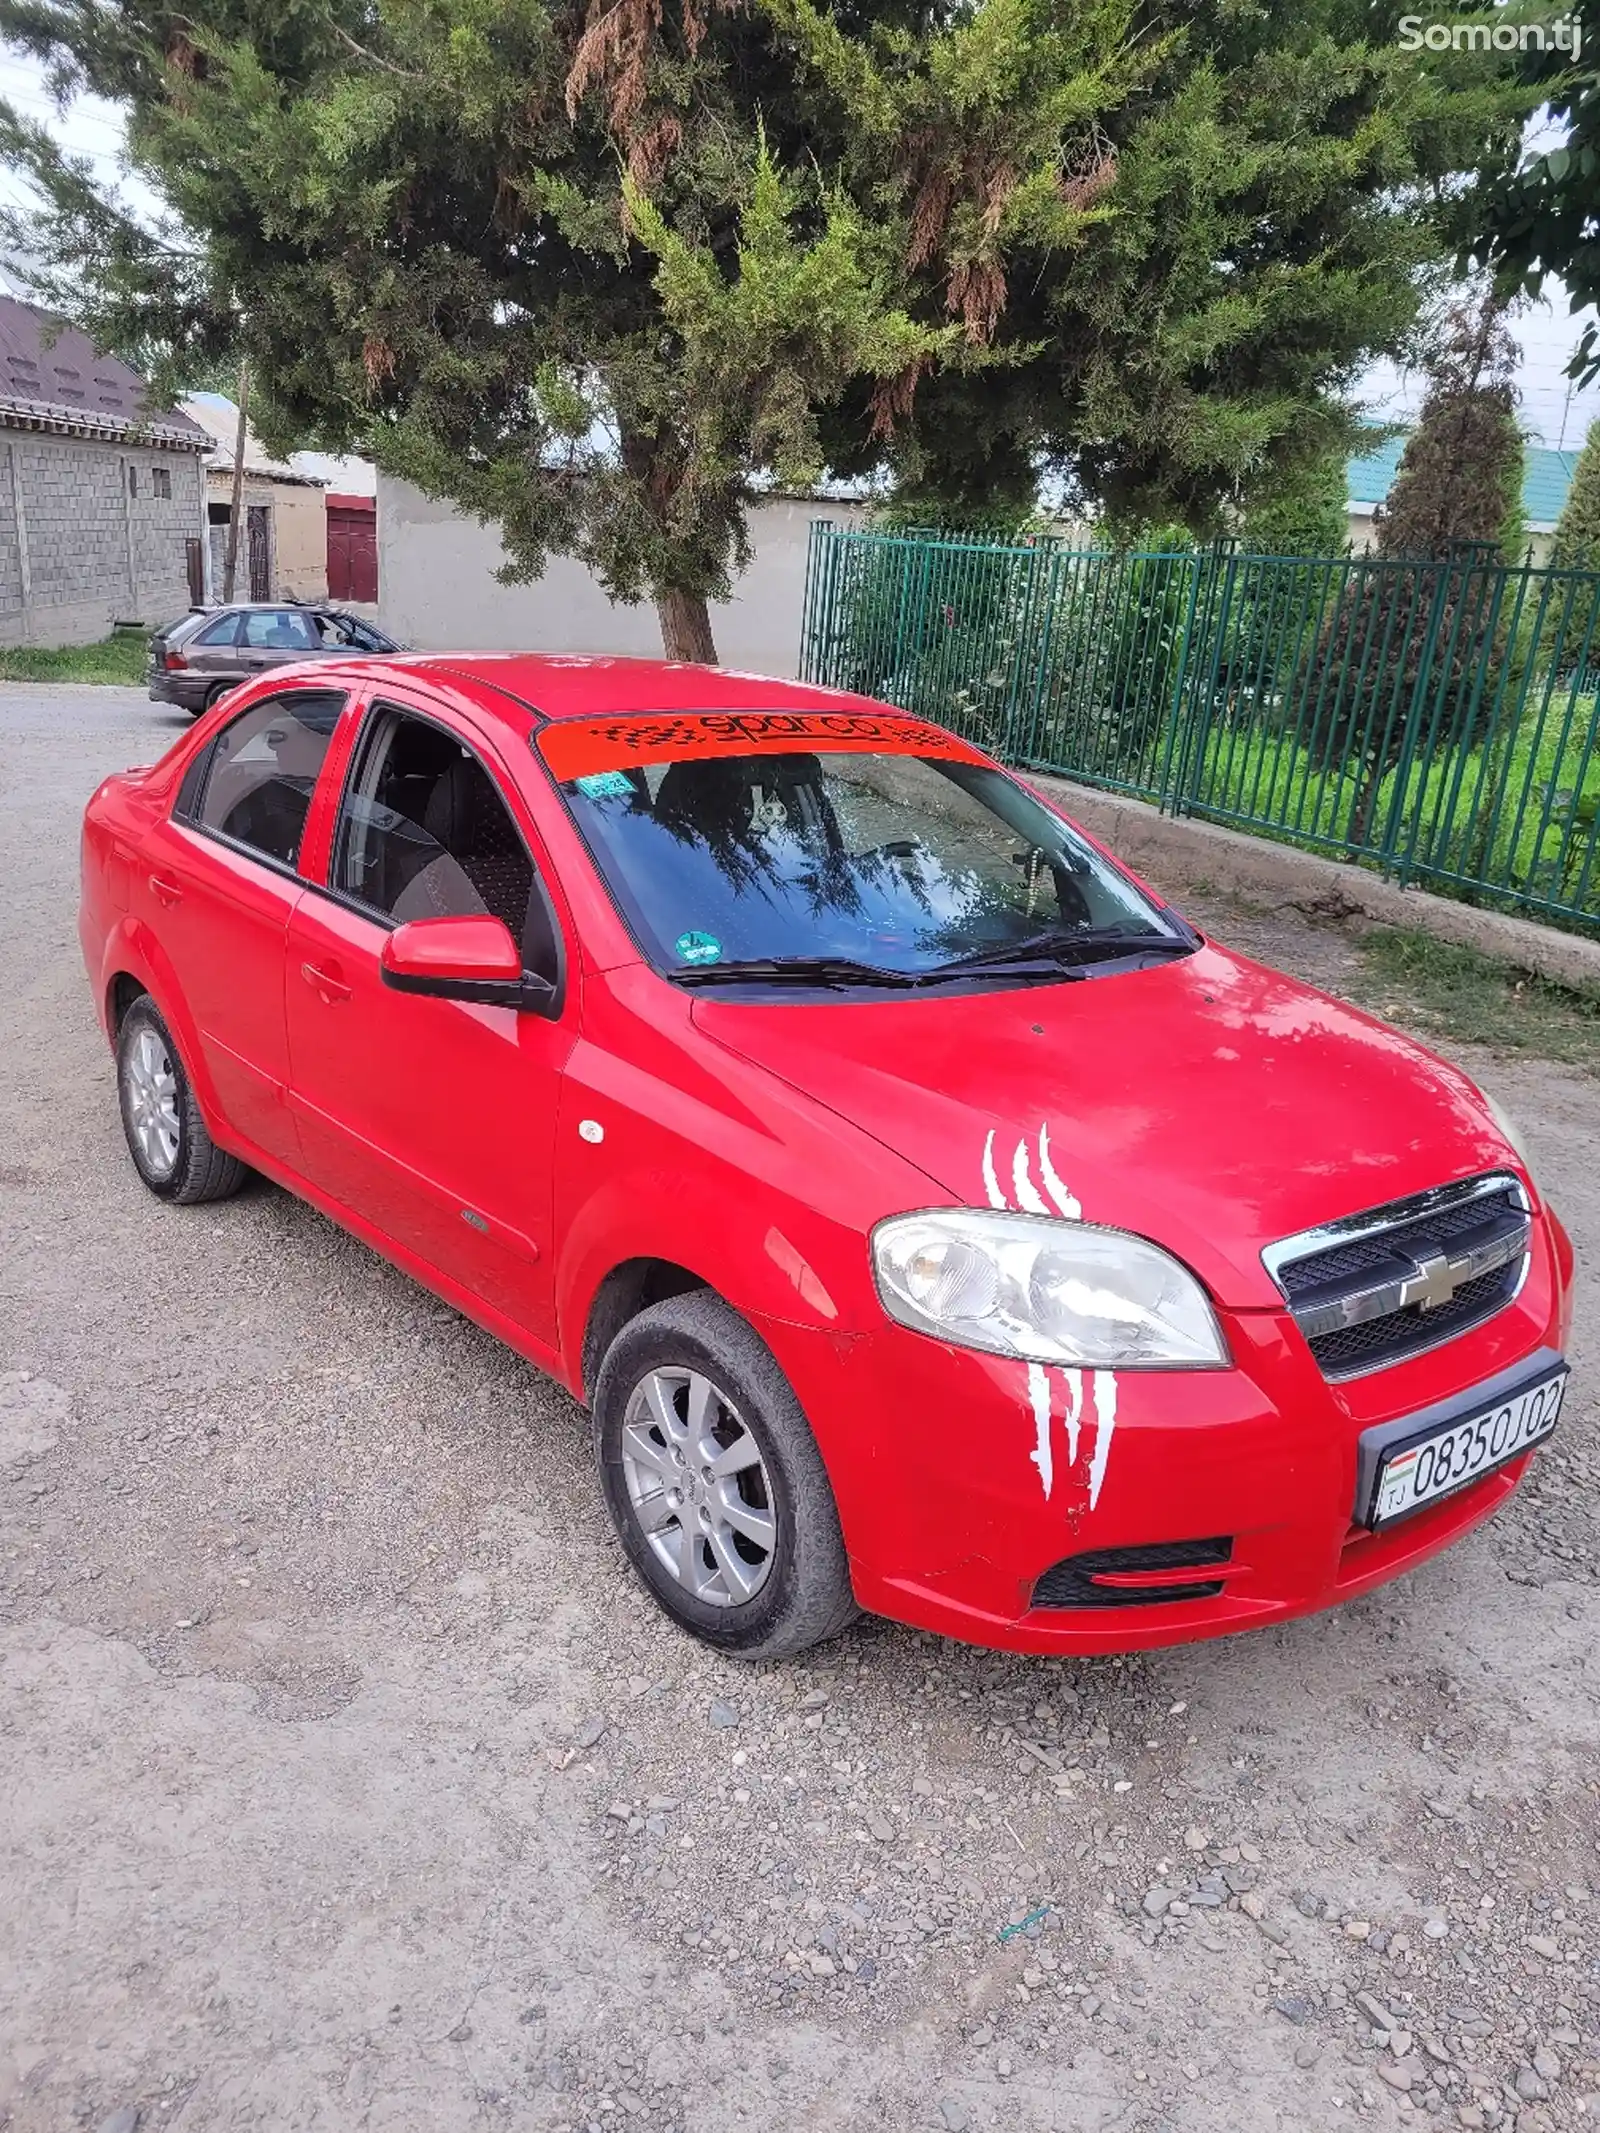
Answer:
(816, 541)
(1217, 625)
(1165, 791)
(1419, 693)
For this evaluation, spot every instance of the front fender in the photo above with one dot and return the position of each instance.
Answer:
(768, 1260)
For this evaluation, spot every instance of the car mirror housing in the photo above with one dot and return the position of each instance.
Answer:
(473, 958)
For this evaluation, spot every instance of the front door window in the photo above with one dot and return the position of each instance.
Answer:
(424, 833)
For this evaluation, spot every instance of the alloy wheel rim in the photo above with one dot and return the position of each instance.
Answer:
(151, 1084)
(699, 1487)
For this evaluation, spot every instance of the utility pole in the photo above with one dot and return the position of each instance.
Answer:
(230, 561)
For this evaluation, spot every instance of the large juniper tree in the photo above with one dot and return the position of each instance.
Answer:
(589, 267)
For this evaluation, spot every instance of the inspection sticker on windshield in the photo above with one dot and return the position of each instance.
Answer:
(698, 947)
(1459, 1452)
(606, 785)
(581, 748)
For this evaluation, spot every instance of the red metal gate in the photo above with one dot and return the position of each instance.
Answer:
(352, 548)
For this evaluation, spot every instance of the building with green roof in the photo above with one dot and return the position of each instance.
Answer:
(1546, 478)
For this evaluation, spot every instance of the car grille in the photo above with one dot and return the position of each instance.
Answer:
(1145, 1576)
(1378, 1287)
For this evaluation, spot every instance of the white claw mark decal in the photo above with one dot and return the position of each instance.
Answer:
(991, 1184)
(1105, 1423)
(1070, 1210)
(1074, 1380)
(1103, 1383)
(1039, 1398)
(1027, 1195)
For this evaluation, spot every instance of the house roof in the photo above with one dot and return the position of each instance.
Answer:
(64, 383)
(1546, 478)
(218, 416)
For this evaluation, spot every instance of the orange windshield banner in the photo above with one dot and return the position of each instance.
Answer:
(580, 747)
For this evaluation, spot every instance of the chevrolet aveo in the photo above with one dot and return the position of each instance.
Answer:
(933, 1221)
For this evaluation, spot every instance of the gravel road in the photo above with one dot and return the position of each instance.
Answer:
(346, 1779)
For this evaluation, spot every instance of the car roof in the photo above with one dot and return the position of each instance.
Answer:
(283, 606)
(570, 685)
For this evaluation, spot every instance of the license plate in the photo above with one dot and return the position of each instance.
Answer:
(1445, 1460)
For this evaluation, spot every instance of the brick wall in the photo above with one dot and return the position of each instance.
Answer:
(85, 528)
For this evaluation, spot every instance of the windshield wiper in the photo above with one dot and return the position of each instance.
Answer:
(1067, 951)
(1043, 957)
(792, 970)
(828, 970)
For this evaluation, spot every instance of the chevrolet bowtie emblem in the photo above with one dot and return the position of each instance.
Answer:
(1432, 1284)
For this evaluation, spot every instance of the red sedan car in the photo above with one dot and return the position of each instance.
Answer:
(932, 1220)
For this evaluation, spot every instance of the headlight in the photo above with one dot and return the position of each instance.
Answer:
(1510, 1130)
(1047, 1291)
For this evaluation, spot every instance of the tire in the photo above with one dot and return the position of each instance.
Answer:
(777, 1599)
(167, 1138)
(214, 695)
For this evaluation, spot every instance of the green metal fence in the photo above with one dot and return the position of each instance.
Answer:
(1436, 719)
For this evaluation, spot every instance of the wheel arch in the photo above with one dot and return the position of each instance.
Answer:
(631, 1286)
(122, 989)
(134, 966)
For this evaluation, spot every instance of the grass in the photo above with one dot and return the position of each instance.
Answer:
(1447, 991)
(119, 659)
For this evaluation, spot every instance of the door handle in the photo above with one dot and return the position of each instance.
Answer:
(165, 892)
(327, 983)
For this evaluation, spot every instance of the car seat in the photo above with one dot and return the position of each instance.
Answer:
(741, 799)
(467, 818)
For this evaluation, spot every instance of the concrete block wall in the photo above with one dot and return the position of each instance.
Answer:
(437, 588)
(97, 553)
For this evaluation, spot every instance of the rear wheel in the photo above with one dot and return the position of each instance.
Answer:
(715, 1484)
(214, 695)
(167, 1137)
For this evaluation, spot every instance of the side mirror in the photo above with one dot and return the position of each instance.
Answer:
(473, 958)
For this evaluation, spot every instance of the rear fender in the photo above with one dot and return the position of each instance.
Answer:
(132, 950)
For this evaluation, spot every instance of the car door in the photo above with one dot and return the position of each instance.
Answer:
(273, 636)
(213, 651)
(216, 883)
(432, 1118)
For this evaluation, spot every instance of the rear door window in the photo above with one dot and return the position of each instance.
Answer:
(263, 769)
(224, 632)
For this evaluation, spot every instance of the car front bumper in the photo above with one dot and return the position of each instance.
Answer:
(962, 1479)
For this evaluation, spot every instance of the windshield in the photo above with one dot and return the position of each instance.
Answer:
(900, 863)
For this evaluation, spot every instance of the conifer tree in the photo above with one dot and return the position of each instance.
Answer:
(594, 269)
(1577, 542)
(1399, 662)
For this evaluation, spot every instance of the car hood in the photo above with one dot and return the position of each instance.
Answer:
(1210, 1103)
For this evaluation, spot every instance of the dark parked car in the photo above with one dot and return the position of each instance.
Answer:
(210, 650)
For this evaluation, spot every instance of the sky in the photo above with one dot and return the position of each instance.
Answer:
(1552, 412)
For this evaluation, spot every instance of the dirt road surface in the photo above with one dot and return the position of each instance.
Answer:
(347, 1780)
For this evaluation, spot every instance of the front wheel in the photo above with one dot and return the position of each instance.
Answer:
(715, 1484)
